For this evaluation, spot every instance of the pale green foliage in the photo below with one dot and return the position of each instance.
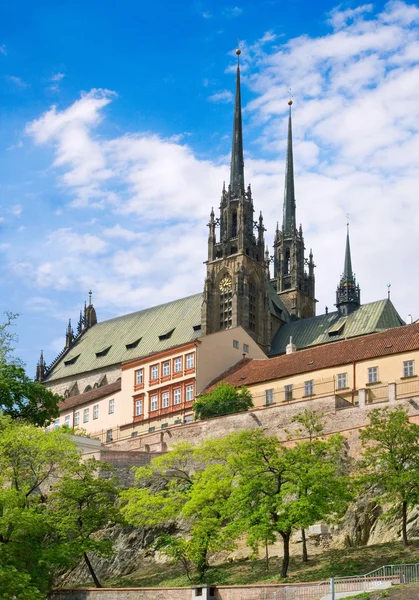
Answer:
(180, 485)
(225, 399)
(390, 460)
(7, 338)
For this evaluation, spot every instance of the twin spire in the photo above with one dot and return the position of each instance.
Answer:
(288, 225)
(237, 160)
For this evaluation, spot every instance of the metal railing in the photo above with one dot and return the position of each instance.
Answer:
(375, 580)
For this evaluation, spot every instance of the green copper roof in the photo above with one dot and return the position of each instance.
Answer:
(369, 318)
(144, 332)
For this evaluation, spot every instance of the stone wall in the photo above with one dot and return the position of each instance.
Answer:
(275, 420)
(91, 378)
(127, 594)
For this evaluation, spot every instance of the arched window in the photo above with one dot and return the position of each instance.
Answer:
(252, 306)
(234, 224)
(226, 295)
(287, 262)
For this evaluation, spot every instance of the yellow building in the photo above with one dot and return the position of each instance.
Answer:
(369, 369)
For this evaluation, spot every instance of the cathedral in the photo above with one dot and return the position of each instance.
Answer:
(255, 303)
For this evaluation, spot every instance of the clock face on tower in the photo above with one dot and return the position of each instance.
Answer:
(226, 284)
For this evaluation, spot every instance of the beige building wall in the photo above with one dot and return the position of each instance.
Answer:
(103, 422)
(326, 382)
(220, 351)
(84, 380)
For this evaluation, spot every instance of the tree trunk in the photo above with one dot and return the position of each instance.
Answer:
(266, 555)
(286, 560)
(91, 570)
(404, 525)
(305, 553)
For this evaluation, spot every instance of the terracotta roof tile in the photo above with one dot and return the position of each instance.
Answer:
(391, 341)
(95, 394)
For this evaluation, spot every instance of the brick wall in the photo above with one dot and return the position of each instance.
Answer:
(127, 594)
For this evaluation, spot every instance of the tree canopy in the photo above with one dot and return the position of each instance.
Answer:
(225, 399)
(390, 461)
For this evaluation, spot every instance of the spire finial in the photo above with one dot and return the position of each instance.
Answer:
(237, 160)
(289, 195)
(90, 297)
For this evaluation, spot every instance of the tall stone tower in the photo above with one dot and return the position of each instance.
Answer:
(237, 279)
(348, 294)
(293, 273)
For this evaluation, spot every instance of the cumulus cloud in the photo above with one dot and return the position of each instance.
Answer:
(17, 81)
(356, 143)
(223, 96)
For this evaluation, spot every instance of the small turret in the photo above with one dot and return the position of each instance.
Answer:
(41, 367)
(90, 318)
(348, 294)
(69, 335)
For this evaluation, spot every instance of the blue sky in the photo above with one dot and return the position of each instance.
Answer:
(115, 123)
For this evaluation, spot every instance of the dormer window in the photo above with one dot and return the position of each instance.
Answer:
(71, 361)
(103, 352)
(133, 344)
(166, 336)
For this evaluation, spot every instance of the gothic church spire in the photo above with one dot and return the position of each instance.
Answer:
(237, 161)
(348, 294)
(289, 195)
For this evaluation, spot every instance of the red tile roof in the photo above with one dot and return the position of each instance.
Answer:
(391, 341)
(96, 394)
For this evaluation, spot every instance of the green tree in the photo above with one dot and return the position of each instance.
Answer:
(390, 460)
(21, 397)
(30, 460)
(318, 472)
(182, 486)
(83, 502)
(225, 399)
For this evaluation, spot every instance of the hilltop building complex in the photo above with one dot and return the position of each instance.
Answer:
(141, 372)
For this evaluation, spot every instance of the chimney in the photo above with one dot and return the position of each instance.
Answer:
(290, 347)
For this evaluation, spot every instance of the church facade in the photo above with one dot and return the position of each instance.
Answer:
(244, 311)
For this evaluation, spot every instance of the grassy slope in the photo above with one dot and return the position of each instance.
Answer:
(405, 592)
(348, 561)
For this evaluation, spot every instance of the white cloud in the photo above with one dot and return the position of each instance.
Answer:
(356, 143)
(16, 210)
(17, 81)
(206, 14)
(230, 12)
(3, 49)
(223, 96)
(58, 76)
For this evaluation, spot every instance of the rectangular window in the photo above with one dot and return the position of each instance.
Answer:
(166, 369)
(138, 408)
(56, 423)
(67, 420)
(176, 396)
(109, 435)
(188, 419)
(85, 415)
(269, 397)
(139, 377)
(190, 361)
(288, 392)
(408, 368)
(155, 372)
(76, 419)
(372, 374)
(111, 406)
(165, 400)
(341, 381)
(309, 387)
(177, 365)
(96, 411)
(154, 402)
(245, 348)
(236, 344)
(189, 393)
